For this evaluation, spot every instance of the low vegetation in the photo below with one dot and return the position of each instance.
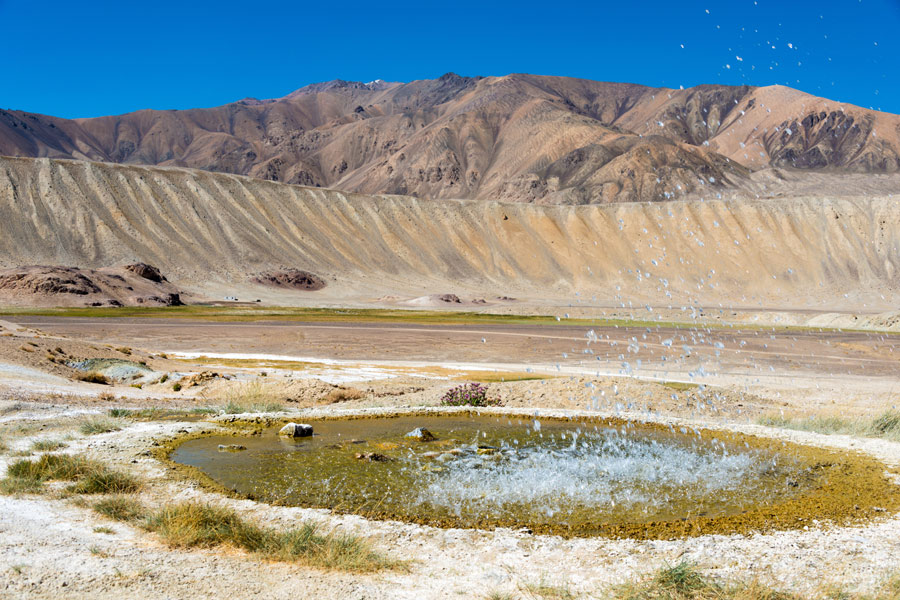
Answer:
(92, 377)
(156, 413)
(679, 386)
(886, 425)
(236, 408)
(196, 525)
(376, 315)
(504, 377)
(469, 394)
(685, 582)
(88, 476)
(343, 395)
(47, 445)
(253, 396)
(100, 424)
(120, 508)
(545, 590)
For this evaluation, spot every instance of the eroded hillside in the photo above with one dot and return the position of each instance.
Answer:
(214, 233)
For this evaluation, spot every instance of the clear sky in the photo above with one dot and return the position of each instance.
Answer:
(88, 58)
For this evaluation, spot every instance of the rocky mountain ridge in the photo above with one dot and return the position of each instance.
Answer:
(522, 138)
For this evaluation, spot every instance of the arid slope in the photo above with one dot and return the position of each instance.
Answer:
(213, 233)
(514, 138)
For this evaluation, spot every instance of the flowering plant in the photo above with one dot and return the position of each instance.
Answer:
(469, 394)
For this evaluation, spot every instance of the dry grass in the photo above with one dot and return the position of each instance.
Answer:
(95, 425)
(120, 508)
(92, 377)
(500, 376)
(156, 413)
(886, 425)
(684, 582)
(343, 395)
(679, 386)
(47, 445)
(88, 476)
(545, 590)
(253, 396)
(196, 525)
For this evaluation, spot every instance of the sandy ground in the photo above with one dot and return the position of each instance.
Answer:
(49, 546)
(811, 371)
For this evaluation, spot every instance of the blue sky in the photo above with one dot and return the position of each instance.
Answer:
(80, 59)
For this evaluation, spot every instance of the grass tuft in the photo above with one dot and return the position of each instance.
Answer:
(253, 396)
(685, 582)
(90, 477)
(544, 590)
(95, 425)
(105, 481)
(120, 508)
(191, 524)
(92, 377)
(47, 445)
(343, 395)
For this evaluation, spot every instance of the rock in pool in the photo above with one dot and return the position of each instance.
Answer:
(296, 430)
(372, 457)
(421, 434)
(231, 447)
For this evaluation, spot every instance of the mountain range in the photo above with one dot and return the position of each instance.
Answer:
(523, 138)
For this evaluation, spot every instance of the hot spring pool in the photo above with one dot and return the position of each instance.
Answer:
(572, 477)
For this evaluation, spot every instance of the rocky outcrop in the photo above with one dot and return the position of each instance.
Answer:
(133, 285)
(293, 279)
(146, 271)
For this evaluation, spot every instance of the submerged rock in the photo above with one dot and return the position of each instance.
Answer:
(371, 457)
(296, 430)
(421, 434)
(231, 447)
